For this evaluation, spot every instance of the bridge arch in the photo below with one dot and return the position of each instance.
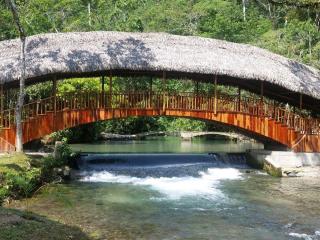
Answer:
(67, 55)
(42, 119)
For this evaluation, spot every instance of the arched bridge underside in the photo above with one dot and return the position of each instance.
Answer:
(52, 114)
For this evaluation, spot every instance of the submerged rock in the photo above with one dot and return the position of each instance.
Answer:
(63, 172)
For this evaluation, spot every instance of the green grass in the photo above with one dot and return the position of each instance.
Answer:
(21, 176)
(14, 163)
(17, 177)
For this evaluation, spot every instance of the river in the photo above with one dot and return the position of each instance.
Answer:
(141, 191)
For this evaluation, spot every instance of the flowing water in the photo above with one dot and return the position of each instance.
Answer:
(180, 196)
(168, 145)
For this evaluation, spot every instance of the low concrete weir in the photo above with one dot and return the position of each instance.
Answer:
(94, 161)
(285, 163)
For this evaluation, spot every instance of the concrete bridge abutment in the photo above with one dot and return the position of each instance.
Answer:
(285, 163)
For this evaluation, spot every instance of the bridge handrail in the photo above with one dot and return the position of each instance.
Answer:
(6, 147)
(187, 100)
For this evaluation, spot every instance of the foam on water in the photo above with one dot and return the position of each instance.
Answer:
(304, 236)
(174, 187)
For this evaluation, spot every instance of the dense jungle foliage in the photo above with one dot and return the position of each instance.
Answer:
(287, 27)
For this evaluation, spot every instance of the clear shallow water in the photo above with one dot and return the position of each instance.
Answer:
(167, 145)
(197, 196)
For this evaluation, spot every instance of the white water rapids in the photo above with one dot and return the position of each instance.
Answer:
(206, 185)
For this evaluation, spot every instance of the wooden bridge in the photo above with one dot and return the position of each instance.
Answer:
(253, 115)
(271, 78)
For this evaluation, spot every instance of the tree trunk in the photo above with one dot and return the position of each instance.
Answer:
(19, 107)
(89, 14)
(244, 9)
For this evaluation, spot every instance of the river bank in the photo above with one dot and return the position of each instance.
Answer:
(24, 225)
(185, 135)
(21, 177)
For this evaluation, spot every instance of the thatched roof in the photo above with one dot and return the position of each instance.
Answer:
(94, 53)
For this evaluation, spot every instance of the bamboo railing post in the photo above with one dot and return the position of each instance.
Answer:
(197, 88)
(1, 98)
(261, 99)
(150, 93)
(54, 94)
(102, 92)
(239, 99)
(1, 106)
(110, 90)
(9, 119)
(164, 91)
(215, 94)
(37, 107)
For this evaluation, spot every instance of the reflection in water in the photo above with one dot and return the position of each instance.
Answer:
(167, 145)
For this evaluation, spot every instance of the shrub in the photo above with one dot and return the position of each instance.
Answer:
(23, 184)
(4, 193)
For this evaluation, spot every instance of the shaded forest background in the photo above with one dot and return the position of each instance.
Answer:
(287, 27)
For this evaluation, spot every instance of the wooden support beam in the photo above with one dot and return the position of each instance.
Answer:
(110, 89)
(102, 83)
(197, 88)
(1, 105)
(151, 84)
(1, 98)
(54, 94)
(102, 91)
(215, 94)
(110, 83)
(278, 94)
(261, 91)
(239, 99)
(164, 80)
(261, 108)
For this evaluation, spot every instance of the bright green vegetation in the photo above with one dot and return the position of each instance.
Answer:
(21, 176)
(17, 177)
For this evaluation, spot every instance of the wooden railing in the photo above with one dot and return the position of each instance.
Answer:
(6, 147)
(161, 101)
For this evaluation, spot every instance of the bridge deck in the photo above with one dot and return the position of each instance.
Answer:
(302, 134)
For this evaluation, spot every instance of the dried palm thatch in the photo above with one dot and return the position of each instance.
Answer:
(89, 53)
